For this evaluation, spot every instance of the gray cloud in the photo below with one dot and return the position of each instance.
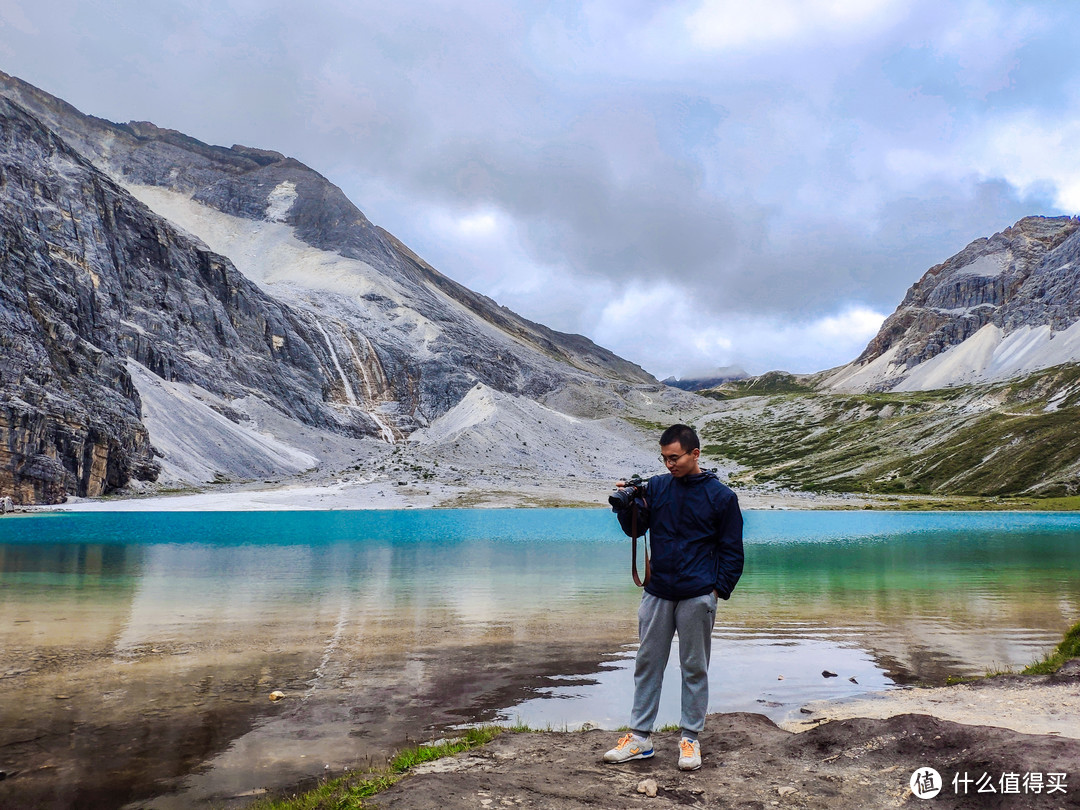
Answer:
(610, 150)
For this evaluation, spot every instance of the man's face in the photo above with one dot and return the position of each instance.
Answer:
(678, 461)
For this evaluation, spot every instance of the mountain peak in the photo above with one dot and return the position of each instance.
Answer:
(1014, 291)
(263, 156)
(287, 294)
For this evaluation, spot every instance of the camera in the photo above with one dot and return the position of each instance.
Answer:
(632, 487)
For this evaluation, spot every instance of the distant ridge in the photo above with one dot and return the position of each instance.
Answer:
(710, 380)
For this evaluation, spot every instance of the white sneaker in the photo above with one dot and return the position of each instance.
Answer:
(689, 754)
(630, 746)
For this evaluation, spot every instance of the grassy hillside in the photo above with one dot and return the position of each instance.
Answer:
(1018, 438)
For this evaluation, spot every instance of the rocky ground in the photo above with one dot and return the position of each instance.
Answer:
(511, 454)
(840, 760)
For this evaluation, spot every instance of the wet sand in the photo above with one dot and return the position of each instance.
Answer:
(188, 726)
(191, 725)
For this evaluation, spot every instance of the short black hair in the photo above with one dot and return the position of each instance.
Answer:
(683, 434)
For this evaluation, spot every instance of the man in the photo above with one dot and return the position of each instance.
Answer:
(697, 557)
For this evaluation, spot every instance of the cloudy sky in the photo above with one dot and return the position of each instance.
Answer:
(691, 184)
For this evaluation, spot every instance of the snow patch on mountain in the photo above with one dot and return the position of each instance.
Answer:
(280, 201)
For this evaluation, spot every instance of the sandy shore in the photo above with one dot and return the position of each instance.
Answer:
(1029, 705)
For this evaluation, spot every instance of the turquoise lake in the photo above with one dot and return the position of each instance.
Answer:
(386, 625)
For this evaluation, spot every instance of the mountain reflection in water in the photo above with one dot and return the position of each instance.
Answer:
(137, 650)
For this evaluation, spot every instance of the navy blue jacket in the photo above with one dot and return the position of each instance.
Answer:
(696, 538)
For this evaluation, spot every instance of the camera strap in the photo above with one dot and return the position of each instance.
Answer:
(641, 583)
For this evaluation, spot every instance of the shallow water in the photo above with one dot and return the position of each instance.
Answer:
(138, 649)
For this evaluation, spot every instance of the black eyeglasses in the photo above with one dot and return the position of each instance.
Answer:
(673, 459)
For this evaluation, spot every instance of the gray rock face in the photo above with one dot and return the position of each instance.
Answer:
(69, 413)
(1024, 276)
(92, 277)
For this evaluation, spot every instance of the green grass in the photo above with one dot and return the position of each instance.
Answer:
(1067, 649)
(999, 454)
(1070, 503)
(646, 425)
(1005, 441)
(351, 791)
(963, 503)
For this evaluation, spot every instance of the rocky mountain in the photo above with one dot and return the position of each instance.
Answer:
(92, 281)
(969, 394)
(141, 267)
(1001, 308)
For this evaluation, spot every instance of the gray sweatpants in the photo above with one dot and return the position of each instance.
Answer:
(658, 621)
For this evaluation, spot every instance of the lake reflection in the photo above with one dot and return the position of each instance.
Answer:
(381, 624)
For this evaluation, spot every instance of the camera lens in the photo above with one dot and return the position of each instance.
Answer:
(622, 498)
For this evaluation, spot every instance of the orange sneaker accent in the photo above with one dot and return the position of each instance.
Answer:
(690, 754)
(629, 747)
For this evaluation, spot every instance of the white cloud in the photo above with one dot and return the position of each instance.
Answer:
(911, 167)
(710, 341)
(984, 38)
(474, 227)
(640, 306)
(737, 24)
(12, 16)
(804, 346)
(857, 324)
(1031, 152)
(659, 327)
(478, 225)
